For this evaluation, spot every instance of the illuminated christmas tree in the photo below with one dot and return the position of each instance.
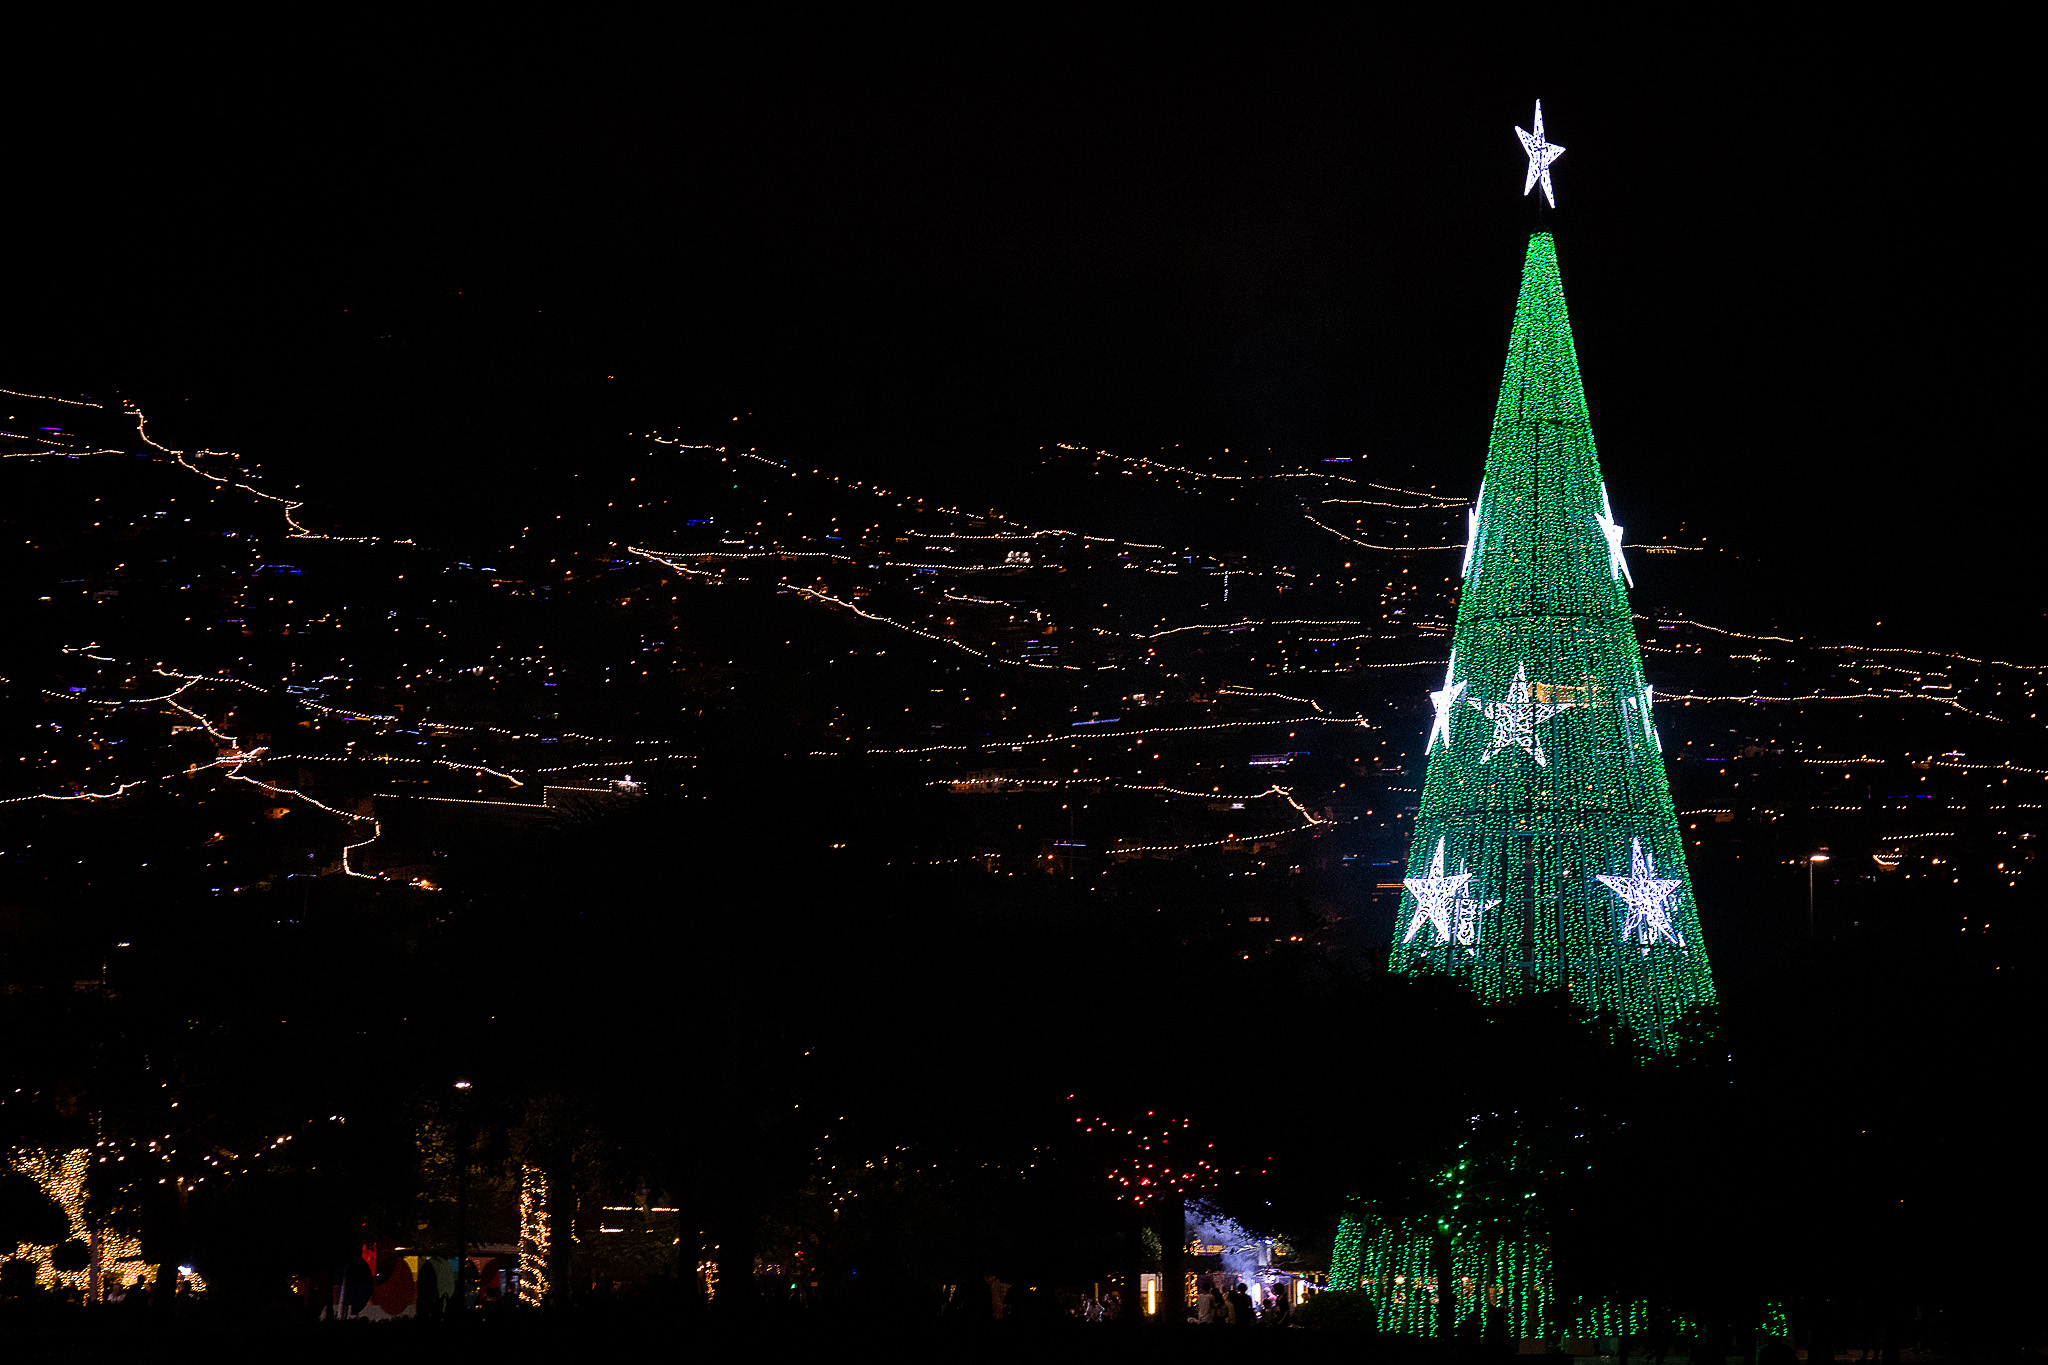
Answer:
(1546, 854)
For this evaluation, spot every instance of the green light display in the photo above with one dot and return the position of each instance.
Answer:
(1506, 1280)
(1546, 854)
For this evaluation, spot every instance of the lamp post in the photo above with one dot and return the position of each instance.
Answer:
(461, 1300)
(1811, 859)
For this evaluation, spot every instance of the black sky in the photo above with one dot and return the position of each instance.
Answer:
(1795, 277)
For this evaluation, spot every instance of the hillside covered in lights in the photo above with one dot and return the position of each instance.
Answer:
(1202, 665)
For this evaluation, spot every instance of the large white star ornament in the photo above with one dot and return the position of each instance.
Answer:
(1541, 154)
(1444, 702)
(1515, 719)
(1435, 897)
(1611, 529)
(1648, 897)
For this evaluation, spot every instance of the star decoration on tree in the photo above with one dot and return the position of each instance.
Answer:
(1435, 895)
(1472, 531)
(1444, 702)
(1611, 529)
(1541, 154)
(1641, 707)
(1515, 719)
(1648, 897)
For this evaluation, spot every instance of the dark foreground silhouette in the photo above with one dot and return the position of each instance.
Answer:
(128, 1338)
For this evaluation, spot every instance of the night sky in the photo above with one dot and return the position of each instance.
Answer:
(414, 277)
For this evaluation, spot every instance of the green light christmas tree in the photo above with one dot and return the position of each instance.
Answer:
(1546, 855)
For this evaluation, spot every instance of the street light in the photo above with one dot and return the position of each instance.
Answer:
(1811, 859)
(461, 1300)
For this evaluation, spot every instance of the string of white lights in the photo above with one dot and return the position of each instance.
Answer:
(920, 503)
(1417, 493)
(997, 784)
(1852, 648)
(480, 769)
(858, 610)
(1162, 466)
(761, 554)
(1718, 630)
(1231, 691)
(1440, 505)
(953, 568)
(1313, 520)
(1116, 848)
(189, 680)
(1938, 654)
(1230, 625)
(1313, 823)
(1354, 667)
(52, 398)
(1011, 744)
(287, 506)
(1889, 694)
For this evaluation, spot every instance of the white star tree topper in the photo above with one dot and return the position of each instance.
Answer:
(1648, 898)
(1515, 719)
(1444, 701)
(1611, 529)
(1541, 154)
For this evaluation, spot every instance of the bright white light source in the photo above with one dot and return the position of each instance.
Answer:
(1541, 154)
(1648, 897)
(1639, 709)
(1434, 897)
(1472, 530)
(1444, 701)
(1515, 719)
(1611, 529)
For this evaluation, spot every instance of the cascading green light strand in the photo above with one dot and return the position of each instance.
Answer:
(1472, 1244)
(1546, 854)
(1505, 1280)
(1346, 1268)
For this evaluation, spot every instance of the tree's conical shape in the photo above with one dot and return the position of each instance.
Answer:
(1546, 854)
